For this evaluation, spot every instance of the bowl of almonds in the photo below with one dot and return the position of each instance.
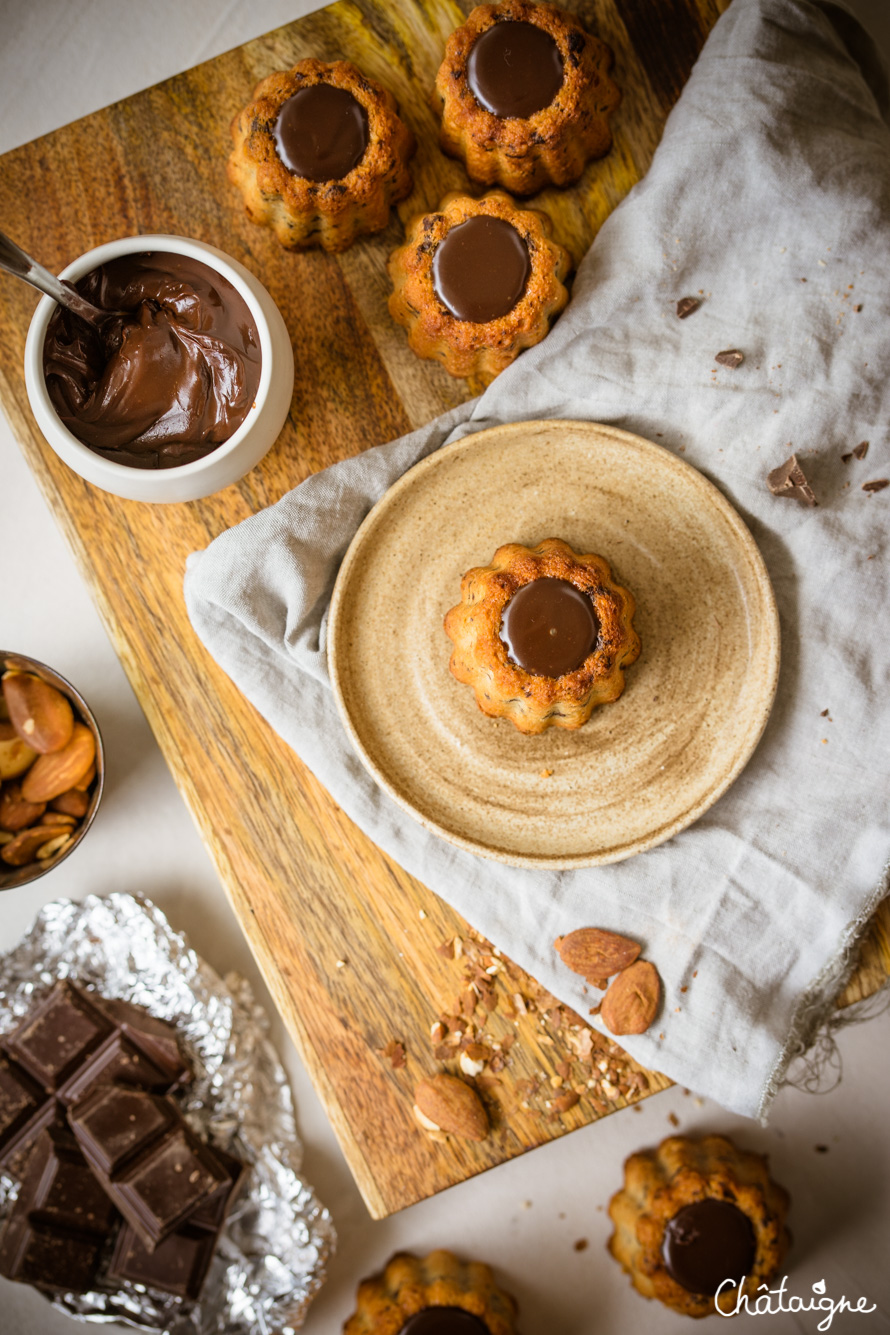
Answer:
(52, 769)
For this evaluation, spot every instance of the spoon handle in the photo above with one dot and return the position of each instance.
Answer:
(14, 260)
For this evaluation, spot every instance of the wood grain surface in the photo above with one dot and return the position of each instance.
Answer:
(355, 952)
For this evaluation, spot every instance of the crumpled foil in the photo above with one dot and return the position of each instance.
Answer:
(275, 1246)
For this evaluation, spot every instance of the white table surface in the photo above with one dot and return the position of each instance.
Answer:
(60, 60)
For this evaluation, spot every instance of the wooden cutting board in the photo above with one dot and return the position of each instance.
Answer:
(360, 958)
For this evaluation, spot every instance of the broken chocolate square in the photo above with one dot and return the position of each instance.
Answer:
(686, 305)
(178, 1265)
(878, 484)
(57, 1035)
(731, 357)
(789, 480)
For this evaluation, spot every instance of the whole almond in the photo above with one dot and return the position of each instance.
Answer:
(57, 820)
(452, 1106)
(23, 848)
(596, 954)
(83, 784)
(15, 813)
(40, 714)
(632, 1001)
(54, 774)
(15, 755)
(72, 803)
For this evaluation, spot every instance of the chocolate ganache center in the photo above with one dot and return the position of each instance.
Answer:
(444, 1321)
(167, 381)
(515, 69)
(480, 269)
(549, 627)
(708, 1242)
(321, 133)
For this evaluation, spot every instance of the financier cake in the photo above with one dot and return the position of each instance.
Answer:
(542, 635)
(525, 96)
(432, 1295)
(320, 155)
(476, 282)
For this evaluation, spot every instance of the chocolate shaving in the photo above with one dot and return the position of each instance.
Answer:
(686, 305)
(878, 484)
(861, 450)
(845, 458)
(731, 358)
(395, 1051)
(788, 480)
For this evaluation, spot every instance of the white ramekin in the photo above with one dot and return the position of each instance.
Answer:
(228, 462)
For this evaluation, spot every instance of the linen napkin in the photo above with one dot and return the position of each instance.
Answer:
(770, 196)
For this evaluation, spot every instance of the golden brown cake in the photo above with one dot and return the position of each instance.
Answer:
(693, 1214)
(320, 155)
(525, 96)
(476, 282)
(432, 1295)
(542, 635)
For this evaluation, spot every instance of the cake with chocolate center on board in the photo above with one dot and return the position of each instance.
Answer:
(698, 1222)
(476, 282)
(438, 1294)
(320, 155)
(525, 96)
(542, 635)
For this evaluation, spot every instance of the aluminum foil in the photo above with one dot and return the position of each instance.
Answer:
(274, 1249)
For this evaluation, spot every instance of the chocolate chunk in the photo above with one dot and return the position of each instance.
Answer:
(860, 450)
(156, 1038)
(708, 1242)
(480, 269)
(151, 1165)
(847, 457)
(178, 1265)
(119, 1062)
(514, 69)
(788, 480)
(21, 1098)
(878, 484)
(59, 1222)
(731, 358)
(686, 305)
(57, 1035)
(113, 1125)
(321, 133)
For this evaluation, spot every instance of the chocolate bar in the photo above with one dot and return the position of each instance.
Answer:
(180, 1263)
(65, 1046)
(61, 1217)
(152, 1166)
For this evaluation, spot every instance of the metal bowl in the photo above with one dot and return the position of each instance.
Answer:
(12, 877)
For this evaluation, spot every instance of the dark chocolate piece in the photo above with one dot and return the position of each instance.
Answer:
(60, 1219)
(878, 484)
(514, 69)
(444, 1321)
(118, 1062)
(860, 450)
(171, 378)
(214, 1212)
(321, 133)
(686, 305)
(480, 269)
(708, 1242)
(60, 1190)
(151, 1165)
(156, 1038)
(21, 1098)
(731, 358)
(113, 1125)
(57, 1035)
(549, 627)
(789, 480)
(178, 1265)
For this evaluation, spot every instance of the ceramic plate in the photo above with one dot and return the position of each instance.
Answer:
(643, 768)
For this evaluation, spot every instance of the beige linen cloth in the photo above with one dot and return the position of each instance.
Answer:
(774, 169)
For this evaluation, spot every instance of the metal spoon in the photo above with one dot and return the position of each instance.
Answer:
(14, 260)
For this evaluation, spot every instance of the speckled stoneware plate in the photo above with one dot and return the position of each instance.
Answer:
(643, 768)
